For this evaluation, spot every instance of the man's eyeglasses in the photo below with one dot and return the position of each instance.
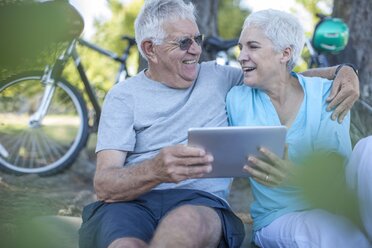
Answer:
(185, 43)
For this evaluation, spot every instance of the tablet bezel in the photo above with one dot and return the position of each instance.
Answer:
(231, 146)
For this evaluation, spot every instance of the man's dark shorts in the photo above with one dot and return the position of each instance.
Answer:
(103, 223)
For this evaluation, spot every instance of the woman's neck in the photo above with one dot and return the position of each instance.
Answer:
(286, 94)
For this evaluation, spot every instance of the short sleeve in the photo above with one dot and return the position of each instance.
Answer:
(332, 135)
(115, 130)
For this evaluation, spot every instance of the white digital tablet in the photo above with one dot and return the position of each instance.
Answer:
(231, 146)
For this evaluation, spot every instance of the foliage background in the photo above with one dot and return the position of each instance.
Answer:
(228, 20)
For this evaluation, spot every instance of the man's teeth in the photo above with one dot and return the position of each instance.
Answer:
(189, 61)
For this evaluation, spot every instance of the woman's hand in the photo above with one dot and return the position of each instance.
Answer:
(270, 170)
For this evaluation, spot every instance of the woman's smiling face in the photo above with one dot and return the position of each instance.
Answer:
(259, 61)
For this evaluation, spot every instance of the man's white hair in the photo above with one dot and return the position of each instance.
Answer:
(150, 20)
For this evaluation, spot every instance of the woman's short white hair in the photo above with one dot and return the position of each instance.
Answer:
(283, 29)
(149, 22)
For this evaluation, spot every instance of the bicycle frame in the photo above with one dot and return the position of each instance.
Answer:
(55, 72)
(88, 88)
(51, 119)
(48, 79)
(316, 59)
(221, 49)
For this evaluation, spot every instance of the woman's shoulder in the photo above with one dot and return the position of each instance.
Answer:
(315, 85)
(240, 90)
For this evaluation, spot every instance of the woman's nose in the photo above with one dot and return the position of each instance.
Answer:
(243, 56)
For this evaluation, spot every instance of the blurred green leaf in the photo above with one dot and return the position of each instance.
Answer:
(322, 180)
(35, 33)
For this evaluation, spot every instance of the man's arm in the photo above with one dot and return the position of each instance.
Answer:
(113, 182)
(345, 88)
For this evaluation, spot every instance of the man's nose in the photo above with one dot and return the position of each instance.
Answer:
(195, 48)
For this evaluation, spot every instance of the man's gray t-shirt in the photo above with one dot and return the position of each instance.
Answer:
(142, 116)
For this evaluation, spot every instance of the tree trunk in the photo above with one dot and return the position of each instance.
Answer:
(358, 15)
(207, 20)
(342, 9)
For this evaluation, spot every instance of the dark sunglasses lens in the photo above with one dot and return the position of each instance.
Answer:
(185, 44)
(199, 39)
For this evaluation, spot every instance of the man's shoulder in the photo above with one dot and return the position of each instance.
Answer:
(212, 65)
(126, 85)
(227, 75)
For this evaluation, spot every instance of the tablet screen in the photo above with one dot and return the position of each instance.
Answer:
(231, 146)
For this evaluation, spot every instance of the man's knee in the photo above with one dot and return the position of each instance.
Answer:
(196, 216)
(128, 243)
(196, 226)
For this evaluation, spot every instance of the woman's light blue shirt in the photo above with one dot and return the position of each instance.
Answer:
(311, 130)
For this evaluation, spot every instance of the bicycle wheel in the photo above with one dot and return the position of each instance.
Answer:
(52, 144)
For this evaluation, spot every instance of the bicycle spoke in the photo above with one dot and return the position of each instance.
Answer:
(33, 151)
(25, 156)
(53, 149)
(7, 139)
(18, 146)
(50, 146)
(13, 148)
(37, 152)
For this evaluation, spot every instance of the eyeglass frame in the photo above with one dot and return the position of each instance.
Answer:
(185, 43)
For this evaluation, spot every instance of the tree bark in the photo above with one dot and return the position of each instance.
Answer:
(342, 9)
(207, 20)
(358, 15)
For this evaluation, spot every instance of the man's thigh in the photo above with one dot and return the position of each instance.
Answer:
(313, 228)
(232, 228)
(104, 223)
(189, 226)
(107, 222)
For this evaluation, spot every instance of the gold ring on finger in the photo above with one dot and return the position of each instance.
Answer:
(267, 177)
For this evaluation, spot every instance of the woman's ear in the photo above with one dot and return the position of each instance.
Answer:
(148, 49)
(286, 55)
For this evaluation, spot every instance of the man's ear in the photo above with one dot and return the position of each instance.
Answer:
(286, 55)
(148, 49)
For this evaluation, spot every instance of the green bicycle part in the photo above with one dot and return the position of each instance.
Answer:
(331, 35)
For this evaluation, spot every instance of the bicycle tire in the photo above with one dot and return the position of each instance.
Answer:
(50, 147)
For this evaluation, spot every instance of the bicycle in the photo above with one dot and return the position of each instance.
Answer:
(44, 118)
(222, 50)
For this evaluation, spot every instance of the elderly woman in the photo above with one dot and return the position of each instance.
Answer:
(270, 44)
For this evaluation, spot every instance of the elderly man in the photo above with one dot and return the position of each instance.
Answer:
(156, 198)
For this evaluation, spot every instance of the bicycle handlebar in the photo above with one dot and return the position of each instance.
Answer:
(131, 40)
(112, 55)
(215, 44)
(99, 49)
(321, 16)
